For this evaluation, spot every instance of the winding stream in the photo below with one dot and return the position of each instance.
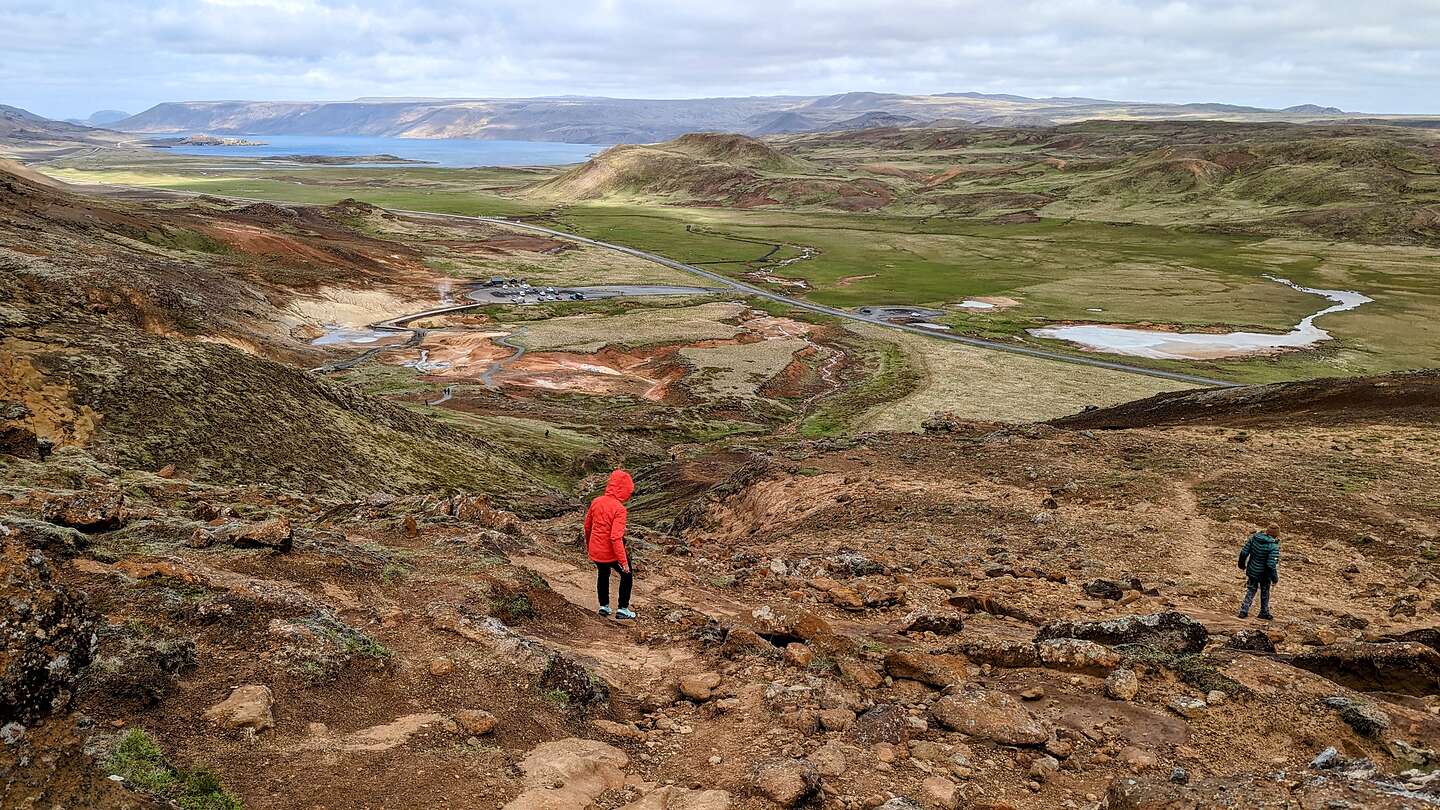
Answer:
(1161, 345)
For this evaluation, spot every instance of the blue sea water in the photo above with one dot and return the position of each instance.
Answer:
(450, 153)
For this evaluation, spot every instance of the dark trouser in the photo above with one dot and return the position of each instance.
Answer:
(1263, 585)
(602, 584)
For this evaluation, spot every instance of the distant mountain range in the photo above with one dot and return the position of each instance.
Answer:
(19, 126)
(100, 118)
(581, 119)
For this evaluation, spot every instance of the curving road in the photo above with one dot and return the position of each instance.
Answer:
(751, 289)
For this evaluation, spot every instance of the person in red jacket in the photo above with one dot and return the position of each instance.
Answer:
(605, 540)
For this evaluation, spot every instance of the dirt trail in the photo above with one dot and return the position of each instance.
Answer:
(576, 583)
(616, 649)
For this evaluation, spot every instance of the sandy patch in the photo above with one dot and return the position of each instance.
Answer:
(740, 370)
(350, 307)
(594, 332)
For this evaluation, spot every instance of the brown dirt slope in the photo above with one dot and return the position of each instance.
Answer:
(1412, 398)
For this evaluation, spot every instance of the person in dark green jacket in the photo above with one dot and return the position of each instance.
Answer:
(1260, 560)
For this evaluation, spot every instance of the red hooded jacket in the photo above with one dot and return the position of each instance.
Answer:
(605, 521)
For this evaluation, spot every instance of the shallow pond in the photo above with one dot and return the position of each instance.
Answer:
(1162, 345)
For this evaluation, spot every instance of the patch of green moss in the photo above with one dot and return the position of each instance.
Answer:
(889, 375)
(138, 759)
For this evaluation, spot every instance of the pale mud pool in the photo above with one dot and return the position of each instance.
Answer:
(1161, 345)
(340, 335)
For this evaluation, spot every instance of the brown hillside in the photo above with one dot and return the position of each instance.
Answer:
(1386, 399)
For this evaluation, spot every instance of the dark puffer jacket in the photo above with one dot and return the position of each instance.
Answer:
(1260, 558)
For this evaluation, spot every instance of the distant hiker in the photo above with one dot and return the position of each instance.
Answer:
(605, 539)
(1260, 560)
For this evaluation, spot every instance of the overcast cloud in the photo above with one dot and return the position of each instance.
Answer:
(65, 59)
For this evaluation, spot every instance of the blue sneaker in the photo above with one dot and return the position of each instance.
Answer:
(604, 610)
(624, 613)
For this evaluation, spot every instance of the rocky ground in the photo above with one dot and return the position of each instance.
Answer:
(985, 616)
(232, 583)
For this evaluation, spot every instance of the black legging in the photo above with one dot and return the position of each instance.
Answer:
(602, 584)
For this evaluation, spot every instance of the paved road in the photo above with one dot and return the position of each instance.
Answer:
(760, 292)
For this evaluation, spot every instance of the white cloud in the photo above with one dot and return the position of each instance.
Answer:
(66, 58)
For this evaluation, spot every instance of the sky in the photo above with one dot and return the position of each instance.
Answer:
(68, 58)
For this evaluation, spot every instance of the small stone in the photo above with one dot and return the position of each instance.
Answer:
(699, 687)
(248, 707)
(441, 666)
(475, 721)
(1187, 707)
(830, 759)
(1325, 759)
(1122, 685)
(623, 730)
(1033, 693)
(860, 674)
(1059, 748)
(1043, 768)
(798, 655)
(1214, 697)
(837, 719)
(939, 793)
(787, 783)
(1179, 776)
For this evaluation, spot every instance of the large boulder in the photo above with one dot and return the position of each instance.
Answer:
(1256, 641)
(1004, 653)
(1429, 636)
(47, 635)
(992, 716)
(977, 603)
(92, 511)
(933, 670)
(1171, 632)
(569, 774)
(1078, 655)
(476, 509)
(938, 623)
(581, 686)
(277, 534)
(1405, 667)
(786, 624)
(1365, 717)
